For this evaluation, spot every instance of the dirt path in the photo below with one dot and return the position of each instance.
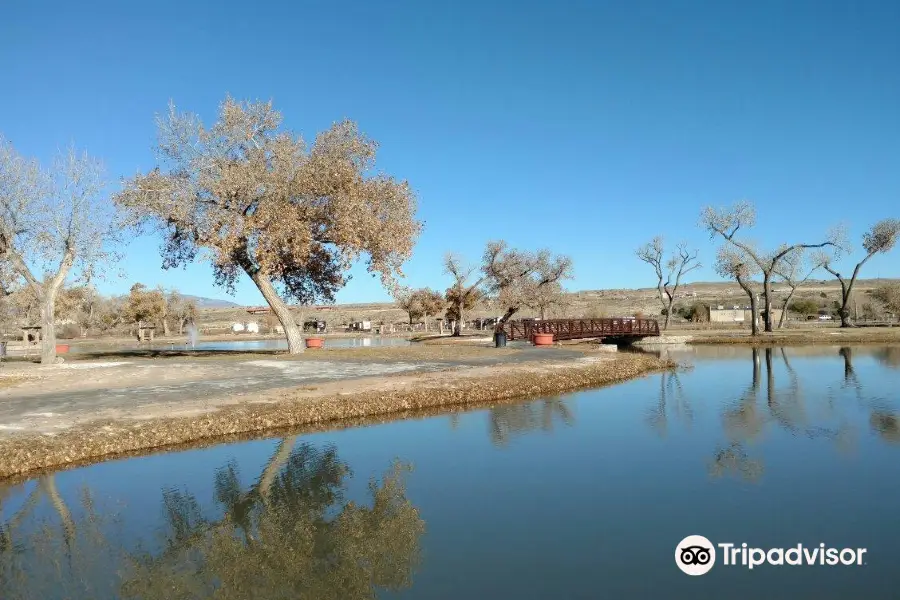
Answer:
(48, 430)
(56, 398)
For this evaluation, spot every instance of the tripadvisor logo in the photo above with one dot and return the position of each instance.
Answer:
(696, 555)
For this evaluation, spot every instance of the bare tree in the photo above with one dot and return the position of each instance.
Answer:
(517, 278)
(881, 238)
(258, 201)
(54, 225)
(463, 293)
(731, 263)
(795, 270)
(668, 272)
(726, 222)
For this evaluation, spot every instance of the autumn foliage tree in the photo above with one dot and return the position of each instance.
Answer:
(421, 303)
(258, 200)
(518, 278)
(55, 225)
(143, 305)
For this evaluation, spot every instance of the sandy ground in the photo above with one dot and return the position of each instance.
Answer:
(53, 425)
(55, 398)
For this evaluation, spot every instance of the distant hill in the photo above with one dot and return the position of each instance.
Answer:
(210, 302)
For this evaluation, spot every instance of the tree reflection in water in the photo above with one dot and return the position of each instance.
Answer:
(745, 420)
(672, 399)
(292, 534)
(883, 420)
(509, 420)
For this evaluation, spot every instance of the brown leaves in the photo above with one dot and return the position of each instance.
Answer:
(516, 278)
(261, 202)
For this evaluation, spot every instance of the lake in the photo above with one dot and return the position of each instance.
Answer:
(583, 496)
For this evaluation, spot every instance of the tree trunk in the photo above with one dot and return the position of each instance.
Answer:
(668, 316)
(845, 301)
(165, 324)
(457, 325)
(784, 308)
(275, 465)
(180, 326)
(282, 312)
(754, 306)
(48, 327)
(48, 482)
(506, 317)
(426, 322)
(756, 369)
(767, 290)
(754, 314)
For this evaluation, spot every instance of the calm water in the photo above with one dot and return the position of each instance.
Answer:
(271, 344)
(584, 496)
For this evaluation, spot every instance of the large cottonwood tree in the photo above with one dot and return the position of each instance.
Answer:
(258, 200)
(727, 222)
(518, 278)
(55, 224)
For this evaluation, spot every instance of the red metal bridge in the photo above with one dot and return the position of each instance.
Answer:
(574, 329)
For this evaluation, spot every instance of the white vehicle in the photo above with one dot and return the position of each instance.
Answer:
(825, 317)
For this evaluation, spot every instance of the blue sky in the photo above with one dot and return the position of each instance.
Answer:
(585, 127)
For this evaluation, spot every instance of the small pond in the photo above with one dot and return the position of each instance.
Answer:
(581, 496)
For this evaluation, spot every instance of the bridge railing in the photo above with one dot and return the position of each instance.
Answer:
(572, 329)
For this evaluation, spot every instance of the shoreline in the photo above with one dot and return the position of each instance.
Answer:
(324, 407)
(834, 335)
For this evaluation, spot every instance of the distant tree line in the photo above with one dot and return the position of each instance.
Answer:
(81, 311)
(757, 270)
(507, 281)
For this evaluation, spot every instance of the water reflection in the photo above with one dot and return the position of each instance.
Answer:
(510, 420)
(291, 534)
(775, 396)
(672, 402)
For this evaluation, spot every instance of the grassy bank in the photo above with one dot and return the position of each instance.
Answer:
(829, 336)
(101, 440)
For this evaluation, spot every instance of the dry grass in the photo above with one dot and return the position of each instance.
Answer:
(22, 453)
(8, 381)
(832, 335)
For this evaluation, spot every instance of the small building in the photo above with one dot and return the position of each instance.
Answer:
(31, 335)
(315, 326)
(360, 326)
(237, 327)
(251, 327)
(145, 332)
(736, 314)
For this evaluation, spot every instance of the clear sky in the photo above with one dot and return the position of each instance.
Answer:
(586, 127)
